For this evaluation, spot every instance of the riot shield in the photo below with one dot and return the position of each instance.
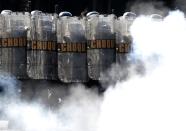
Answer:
(72, 56)
(42, 47)
(101, 44)
(123, 37)
(13, 28)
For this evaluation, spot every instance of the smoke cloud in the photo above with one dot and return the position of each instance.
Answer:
(148, 7)
(156, 100)
(77, 111)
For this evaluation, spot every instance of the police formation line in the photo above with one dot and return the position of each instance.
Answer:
(64, 47)
(69, 50)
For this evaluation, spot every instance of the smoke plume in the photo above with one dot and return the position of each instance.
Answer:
(148, 7)
(156, 100)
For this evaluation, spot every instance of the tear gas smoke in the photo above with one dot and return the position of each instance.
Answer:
(78, 111)
(148, 8)
(156, 101)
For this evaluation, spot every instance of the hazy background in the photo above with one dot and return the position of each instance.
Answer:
(77, 6)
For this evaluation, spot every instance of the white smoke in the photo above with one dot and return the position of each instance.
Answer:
(156, 101)
(148, 7)
(77, 111)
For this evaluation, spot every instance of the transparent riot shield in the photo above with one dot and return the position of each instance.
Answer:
(123, 37)
(101, 44)
(13, 33)
(2, 22)
(72, 56)
(42, 47)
